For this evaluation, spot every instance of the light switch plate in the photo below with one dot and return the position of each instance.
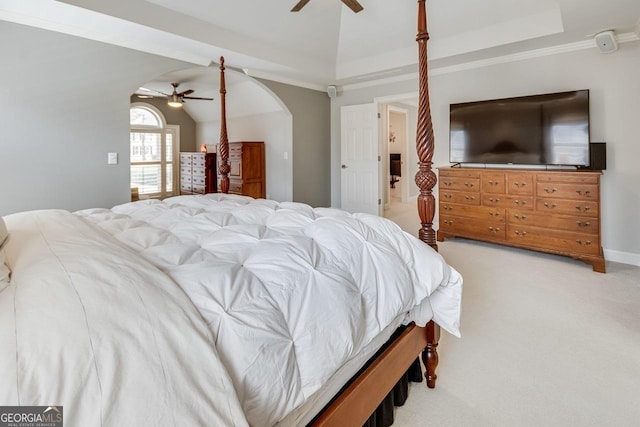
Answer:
(112, 159)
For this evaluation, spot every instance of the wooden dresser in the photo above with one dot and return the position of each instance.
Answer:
(548, 211)
(247, 175)
(197, 173)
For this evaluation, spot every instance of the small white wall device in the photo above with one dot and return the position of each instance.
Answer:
(606, 41)
(332, 91)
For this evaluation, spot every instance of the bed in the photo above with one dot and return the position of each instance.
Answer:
(222, 309)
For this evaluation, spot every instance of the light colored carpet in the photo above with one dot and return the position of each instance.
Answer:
(545, 342)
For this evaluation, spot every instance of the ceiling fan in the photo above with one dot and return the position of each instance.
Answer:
(176, 98)
(351, 4)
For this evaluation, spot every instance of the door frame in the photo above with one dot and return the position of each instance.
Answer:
(383, 103)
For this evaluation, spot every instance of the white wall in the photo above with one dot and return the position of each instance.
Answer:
(275, 129)
(615, 118)
(64, 104)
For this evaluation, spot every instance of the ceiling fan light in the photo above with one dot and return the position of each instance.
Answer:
(174, 102)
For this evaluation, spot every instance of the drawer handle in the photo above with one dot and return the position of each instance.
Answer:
(519, 184)
(448, 222)
(553, 190)
(553, 205)
(520, 233)
(447, 208)
(494, 230)
(468, 184)
(520, 202)
(583, 209)
(470, 197)
(491, 182)
(492, 200)
(586, 193)
(448, 183)
(491, 213)
(587, 243)
(520, 217)
(583, 224)
(447, 196)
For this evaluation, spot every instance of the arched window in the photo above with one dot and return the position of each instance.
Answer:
(145, 116)
(154, 152)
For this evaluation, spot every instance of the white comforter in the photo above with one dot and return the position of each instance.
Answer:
(290, 293)
(88, 325)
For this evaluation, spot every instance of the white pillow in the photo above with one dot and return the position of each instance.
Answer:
(3, 231)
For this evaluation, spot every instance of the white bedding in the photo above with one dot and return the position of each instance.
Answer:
(290, 293)
(88, 325)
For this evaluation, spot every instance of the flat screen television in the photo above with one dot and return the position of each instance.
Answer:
(549, 129)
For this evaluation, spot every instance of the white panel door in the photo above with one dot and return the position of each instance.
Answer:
(359, 158)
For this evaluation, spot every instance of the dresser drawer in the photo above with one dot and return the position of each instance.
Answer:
(568, 207)
(198, 160)
(561, 222)
(460, 183)
(198, 171)
(459, 173)
(185, 159)
(480, 212)
(520, 184)
(567, 191)
(470, 227)
(235, 186)
(460, 197)
(198, 189)
(575, 178)
(502, 201)
(185, 186)
(198, 181)
(563, 241)
(493, 182)
(185, 170)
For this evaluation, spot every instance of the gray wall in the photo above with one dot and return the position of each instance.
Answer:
(614, 93)
(64, 103)
(175, 116)
(311, 142)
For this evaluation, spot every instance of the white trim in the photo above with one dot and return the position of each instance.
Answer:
(537, 53)
(257, 74)
(622, 257)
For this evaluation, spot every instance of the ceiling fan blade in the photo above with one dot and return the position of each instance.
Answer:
(353, 5)
(299, 5)
(196, 97)
(186, 92)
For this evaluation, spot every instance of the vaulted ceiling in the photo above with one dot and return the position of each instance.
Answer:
(326, 43)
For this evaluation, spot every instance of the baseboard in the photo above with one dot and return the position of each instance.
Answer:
(609, 254)
(622, 257)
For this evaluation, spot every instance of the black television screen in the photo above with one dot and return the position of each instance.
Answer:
(550, 129)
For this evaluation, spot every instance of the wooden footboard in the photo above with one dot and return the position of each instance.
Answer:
(360, 399)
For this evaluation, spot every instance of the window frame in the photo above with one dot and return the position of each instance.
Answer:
(163, 129)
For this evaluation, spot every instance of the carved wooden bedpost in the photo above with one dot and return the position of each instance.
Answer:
(426, 180)
(223, 149)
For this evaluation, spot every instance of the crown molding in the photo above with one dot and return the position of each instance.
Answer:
(536, 53)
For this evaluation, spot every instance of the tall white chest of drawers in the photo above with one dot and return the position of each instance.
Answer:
(197, 173)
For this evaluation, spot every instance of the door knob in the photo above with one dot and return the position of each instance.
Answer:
(344, 166)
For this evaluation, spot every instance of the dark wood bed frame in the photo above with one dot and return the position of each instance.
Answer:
(359, 400)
